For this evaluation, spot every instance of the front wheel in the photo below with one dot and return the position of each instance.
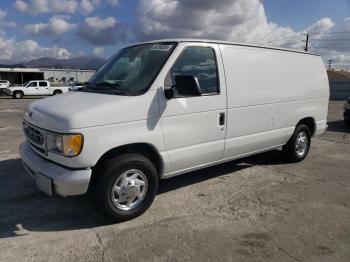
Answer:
(298, 145)
(126, 186)
(18, 94)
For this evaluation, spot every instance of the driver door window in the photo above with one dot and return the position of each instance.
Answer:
(199, 62)
(32, 84)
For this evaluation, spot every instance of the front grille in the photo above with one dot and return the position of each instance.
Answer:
(36, 137)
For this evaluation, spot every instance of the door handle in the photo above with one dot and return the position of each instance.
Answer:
(36, 88)
(221, 119)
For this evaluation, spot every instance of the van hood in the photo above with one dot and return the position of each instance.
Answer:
(75, 110)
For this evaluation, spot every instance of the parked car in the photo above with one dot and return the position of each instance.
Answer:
(76, 86)
(35, 88)
(3, 85)
(347, 113)
(161, 109)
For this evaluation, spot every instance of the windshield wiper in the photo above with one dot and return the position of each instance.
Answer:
(107, 87)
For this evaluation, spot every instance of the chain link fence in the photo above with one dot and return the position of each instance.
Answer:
(339, 89)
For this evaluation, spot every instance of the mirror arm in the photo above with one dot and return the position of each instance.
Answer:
(169, 92)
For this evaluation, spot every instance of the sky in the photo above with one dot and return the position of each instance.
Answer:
(31, 29)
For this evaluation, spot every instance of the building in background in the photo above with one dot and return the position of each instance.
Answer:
(22, 75)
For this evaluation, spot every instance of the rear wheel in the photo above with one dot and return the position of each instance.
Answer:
(347, 122)
(57, 92)
(126, 186)
(298, 145)
(18, 94)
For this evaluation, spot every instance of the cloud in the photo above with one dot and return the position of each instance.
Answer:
(53, 6)
(232, 20)
(11, 24)
(21, 6)
(237, 20)
(99, 31)
(97, 51)
(321, 26)
(2, 14)
(87, 6)
(113, 2)
(332, 45)
(57, 25)
(13, 51)
(19, 51)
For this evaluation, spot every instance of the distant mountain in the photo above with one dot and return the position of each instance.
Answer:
(82, 62)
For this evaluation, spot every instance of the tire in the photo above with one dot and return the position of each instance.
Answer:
(18, 94)
(347, 122)
(57, 92)
(115, 173)
(302, 136)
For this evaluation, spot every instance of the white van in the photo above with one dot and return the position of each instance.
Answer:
(164, 108)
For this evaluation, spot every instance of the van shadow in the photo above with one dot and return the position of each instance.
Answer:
(24, 209)
(338, 126)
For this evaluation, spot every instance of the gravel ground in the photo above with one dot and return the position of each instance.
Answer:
(254, 209)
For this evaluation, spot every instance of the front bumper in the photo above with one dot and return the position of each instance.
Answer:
(52, 178)
(7, 92)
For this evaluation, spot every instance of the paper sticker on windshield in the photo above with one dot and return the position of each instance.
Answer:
(161, 47)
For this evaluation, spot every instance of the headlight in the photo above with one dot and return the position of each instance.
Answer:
(69, 145)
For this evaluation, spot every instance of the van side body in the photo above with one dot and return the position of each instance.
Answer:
(262, 95)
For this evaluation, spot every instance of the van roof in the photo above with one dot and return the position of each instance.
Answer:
(196, 40)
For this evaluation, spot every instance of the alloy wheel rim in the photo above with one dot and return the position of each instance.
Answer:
(129, 190)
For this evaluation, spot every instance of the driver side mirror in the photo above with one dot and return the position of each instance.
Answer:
(186, 85)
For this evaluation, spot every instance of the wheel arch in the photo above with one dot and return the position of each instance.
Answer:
(310, 123)
(57, 90)
(144, 149)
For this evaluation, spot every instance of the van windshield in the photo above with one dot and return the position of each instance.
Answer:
(131, 71)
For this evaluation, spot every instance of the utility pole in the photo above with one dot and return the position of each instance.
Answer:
(307, 43)
(329, 64)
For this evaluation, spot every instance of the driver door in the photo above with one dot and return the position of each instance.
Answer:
(194, 127)
(32, 89)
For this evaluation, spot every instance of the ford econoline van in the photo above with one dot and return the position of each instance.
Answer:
(165, 108)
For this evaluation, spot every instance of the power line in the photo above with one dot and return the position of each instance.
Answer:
(333, 39)
(331, 46)
(279, 40)
(321, 33)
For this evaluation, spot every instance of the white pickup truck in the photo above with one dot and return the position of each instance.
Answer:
(35, 88)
